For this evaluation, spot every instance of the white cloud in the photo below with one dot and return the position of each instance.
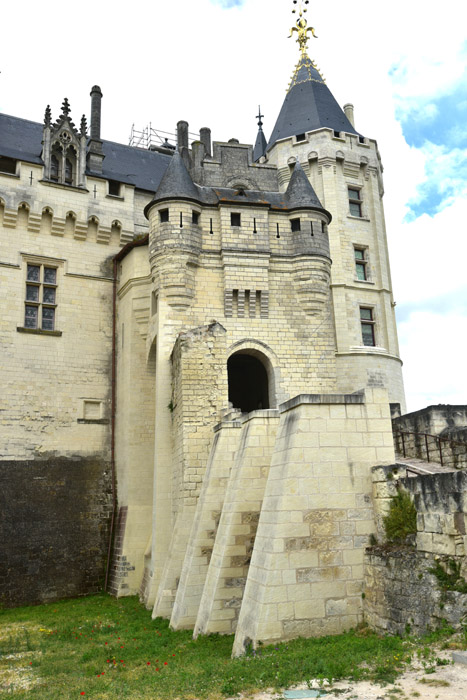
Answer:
(433, 347)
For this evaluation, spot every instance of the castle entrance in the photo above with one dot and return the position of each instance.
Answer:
(248, 382)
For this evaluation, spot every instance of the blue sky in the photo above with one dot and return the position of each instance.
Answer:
(403, 65)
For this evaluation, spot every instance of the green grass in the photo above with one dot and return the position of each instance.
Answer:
(102, 648)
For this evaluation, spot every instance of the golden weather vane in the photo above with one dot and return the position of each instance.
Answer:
(301, 26)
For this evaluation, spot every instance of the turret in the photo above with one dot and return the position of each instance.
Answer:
(175, 234)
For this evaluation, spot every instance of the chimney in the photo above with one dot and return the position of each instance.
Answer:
(95, 154)
(182, 135)
(348, 110)
(96, 97)
(205, 137)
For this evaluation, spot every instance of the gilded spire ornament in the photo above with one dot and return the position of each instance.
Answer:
(301, 26)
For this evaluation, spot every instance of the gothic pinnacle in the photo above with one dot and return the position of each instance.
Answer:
(66, 107)
(83, 125)
(48, 116)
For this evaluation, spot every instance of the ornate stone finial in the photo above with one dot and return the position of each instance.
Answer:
(259, 117)
(301, 27)
(84, 127)
(48, 116)
(66, 107)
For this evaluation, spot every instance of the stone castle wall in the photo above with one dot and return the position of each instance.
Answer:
(400, 591)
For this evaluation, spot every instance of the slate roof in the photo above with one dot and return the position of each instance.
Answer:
(177, 182)
(309, 105)
(260, 146)
(300, 192)
(21, 139)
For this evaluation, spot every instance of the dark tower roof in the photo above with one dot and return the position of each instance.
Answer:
(261, 143)
(309, 105)
(300, 193)
(177, 182)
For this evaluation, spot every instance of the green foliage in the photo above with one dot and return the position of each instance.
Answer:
(111, 649)
(401, 520)
(449, 578)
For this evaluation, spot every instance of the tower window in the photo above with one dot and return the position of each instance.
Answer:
(368, 326)
(295, 225)
(235, 220)
(300, 137)
(195, 217)
(361, 263)
(41, 291)
(164, 215)
(355, 202)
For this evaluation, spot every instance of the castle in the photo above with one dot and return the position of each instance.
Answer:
(199, 366)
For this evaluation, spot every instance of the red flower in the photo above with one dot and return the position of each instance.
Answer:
(165, 663)
(157, 669)
(148, 663)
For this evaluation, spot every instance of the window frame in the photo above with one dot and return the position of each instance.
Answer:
(164, 216)
(233, 219)
(368, 324)
(295, 225)
(40, 304)
(361, 263)
(355, 201)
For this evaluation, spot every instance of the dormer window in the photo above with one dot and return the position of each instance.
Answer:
(54, 168)
(300, 137)
(68, 172)
(62, 146)
(114, 188)
(7, 165)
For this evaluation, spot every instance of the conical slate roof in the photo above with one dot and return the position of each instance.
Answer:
(260, 146)
(300, 193)
(177, 182)
(309, 105)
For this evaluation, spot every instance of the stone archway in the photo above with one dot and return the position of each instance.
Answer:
(248, 382)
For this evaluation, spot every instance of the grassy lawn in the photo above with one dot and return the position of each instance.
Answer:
(102, 648)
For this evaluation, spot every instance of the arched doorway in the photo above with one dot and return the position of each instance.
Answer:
(248, 382)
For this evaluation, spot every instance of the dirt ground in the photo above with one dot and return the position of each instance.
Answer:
(446, 683)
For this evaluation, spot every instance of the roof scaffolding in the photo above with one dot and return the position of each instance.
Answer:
(151, 138)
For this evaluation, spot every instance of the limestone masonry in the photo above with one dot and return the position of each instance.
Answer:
(206, 333)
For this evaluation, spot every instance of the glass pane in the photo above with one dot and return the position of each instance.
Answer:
(355, 209)
(33, 273)
(361, 272)
(50, 275)
(368, 334)
(354, 194)
(30, 319)
(48, 316)
(359, 254)
(32, 292)
(48, 295)
(366, 314)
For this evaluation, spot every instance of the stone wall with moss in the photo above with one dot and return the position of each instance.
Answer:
(419, 583)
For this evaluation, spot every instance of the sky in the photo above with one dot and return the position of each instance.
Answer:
(212, 62)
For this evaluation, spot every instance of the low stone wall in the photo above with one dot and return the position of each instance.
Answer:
(54, 528)
(401, 595)
(400, 591)
(443, 421)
